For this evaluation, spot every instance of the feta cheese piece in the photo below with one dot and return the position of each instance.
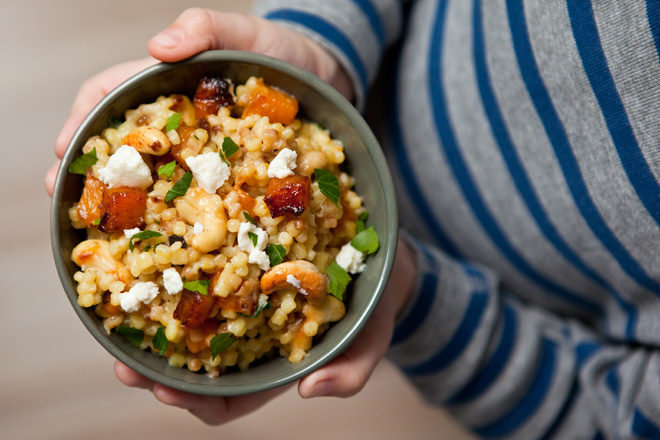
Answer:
(209, 170)
(295, 282)
(131, 232)
(350, 259)
(143, 292)
(126, 168)
(283, 164)
(198, 228)
(256, 254)
(172, 281)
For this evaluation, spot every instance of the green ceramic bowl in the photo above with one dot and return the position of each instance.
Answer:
(319, 103)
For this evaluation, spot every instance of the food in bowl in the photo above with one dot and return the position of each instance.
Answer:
(221, 228)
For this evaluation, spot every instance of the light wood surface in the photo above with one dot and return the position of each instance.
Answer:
(56, 382)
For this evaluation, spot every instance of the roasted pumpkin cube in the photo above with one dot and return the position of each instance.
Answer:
(198, 338)
(193, 308)
(288, 196)
(122, 208)
(89, 206)
(212, 93)
(269, 101)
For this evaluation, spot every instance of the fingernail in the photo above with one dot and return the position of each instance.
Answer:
(320, 389)
(169, 38)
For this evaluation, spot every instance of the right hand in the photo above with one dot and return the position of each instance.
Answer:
(197, 30)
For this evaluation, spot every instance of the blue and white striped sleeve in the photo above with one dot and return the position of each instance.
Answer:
(507, 370)
(356, 32)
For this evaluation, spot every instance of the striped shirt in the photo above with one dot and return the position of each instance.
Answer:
(523, 138)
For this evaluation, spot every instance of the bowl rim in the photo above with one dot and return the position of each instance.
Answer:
(388, 243)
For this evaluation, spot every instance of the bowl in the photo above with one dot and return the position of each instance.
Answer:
(320, 103)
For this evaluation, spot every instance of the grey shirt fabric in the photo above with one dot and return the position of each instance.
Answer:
(523, 139)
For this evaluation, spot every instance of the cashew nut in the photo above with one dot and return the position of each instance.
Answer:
(330, 310)
(148, 140)
(96, 254)
(198, 206)
(301, 275)
(309, 160)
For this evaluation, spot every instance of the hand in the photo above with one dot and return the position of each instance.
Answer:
(344, 376)
(197, 30)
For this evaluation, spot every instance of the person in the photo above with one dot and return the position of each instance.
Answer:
(522, 139)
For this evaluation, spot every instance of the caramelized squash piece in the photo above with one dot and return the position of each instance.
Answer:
(122, 208)
(246, 201)
(269, 101)
(288, 196)
(212, 93)
(89, 207)
(193, 308)
(245, 300)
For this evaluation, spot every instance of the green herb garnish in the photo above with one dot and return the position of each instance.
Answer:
(167, 170)
(254, 237)
(221, 342)
(199, 286)
(142, 236)
(160, 341)
(229, 147)
(366, 241)
(328, 184)
(173, 122)
(276, 253)
(80, 164)
(114, 122)
(97, 221)
(134, 335)
(360, 224)
(249, 218)
(180, 187)
(263, 305)
(339, 279)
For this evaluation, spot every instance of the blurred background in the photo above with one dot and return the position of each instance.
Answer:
(56, 381)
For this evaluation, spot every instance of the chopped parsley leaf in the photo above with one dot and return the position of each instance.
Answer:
(249, 218)
(276, 253)
(160, 341)
(142, 236)
(328, 184)
(199, 286)
(180, 187)
(167, 170)
(339, 280)
(80, 164)
(134, 335)
(254, 237)
(173, 122)
(366, 241)
(229, 147)
(221, 342)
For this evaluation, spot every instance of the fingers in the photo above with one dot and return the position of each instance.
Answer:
(346, 375)
(197, 30)
(50, 178)
(132, 378)
(212, 410)
(91, 92)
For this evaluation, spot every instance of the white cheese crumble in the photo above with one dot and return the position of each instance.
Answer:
(256, 254)
(350, 259)
(126, 168)
(295, 282)
(283, 164)
(172, 281)
(143, 292)
(209, 170)
(198, 228)
(131, 232)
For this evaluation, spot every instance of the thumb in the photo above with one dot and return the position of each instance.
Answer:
(197, 30)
